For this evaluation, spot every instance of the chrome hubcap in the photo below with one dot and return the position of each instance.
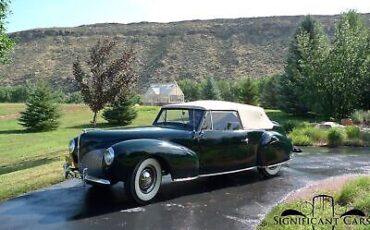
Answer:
(147, 179)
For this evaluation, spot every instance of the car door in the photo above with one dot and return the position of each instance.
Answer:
(224, 144)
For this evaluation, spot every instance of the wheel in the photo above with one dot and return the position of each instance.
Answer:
(269, 171)
(144, 182)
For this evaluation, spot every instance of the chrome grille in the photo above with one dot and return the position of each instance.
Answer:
(93, 162)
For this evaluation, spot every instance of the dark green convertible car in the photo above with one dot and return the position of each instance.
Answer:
(187, 141)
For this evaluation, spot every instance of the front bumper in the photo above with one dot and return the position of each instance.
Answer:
(74, 173)
(93, 180)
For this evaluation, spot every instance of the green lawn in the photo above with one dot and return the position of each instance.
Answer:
(23, 154)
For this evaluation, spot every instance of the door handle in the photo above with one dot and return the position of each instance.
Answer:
(246, 140)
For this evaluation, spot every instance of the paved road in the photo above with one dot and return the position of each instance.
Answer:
(235, 201)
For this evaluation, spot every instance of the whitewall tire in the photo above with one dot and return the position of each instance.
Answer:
(144, 182)
(269, 171)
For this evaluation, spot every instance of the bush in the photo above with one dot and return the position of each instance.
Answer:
(336, 136)
(136, 99)
(304, 134)
(353, 132)
(301, 140)
(42, 113)
(120, 113)
(361, 117)
(315, 134)
(289, 125)
(13, 94)
(74, 98)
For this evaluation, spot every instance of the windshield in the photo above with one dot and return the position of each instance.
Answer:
(180, 118)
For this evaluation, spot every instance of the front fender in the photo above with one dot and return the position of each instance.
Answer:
(178, 160)
(274, 148)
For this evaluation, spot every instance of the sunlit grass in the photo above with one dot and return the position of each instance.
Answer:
(32, 160)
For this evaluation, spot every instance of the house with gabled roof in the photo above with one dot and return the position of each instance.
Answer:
(162, 94)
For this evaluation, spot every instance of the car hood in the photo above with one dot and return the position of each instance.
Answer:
(104, 138)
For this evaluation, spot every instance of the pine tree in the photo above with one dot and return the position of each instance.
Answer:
(268, 92)
(210, 90)
(41, 113)
(306, 56)
(248, 91)
(120, 112)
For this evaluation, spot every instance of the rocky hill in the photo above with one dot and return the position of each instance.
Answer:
(224, 48)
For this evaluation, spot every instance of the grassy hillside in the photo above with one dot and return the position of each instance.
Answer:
(224, 48)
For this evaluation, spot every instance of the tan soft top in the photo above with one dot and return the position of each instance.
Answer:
(252, 117)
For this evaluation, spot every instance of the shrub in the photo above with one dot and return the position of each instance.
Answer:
(361, 117)
(289, 125)
(42, 113)
(301, 140)
(120, 113)
(352, 132)
(315, 134)
(304, 134)
(13, 94)
(366, 138)
(74, 98)
(336, 136)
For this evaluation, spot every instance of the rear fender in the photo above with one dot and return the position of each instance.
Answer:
(178, 160)
(274, 148)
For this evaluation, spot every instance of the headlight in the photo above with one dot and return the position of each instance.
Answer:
(72, 146)
(109, 156)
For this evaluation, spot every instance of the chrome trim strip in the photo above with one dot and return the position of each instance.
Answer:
(214, 174)
(228, 172)
(185, 179)
(96, 180)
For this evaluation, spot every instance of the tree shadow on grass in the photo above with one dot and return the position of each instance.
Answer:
(90, 126)
(14, 131)
(24, 165)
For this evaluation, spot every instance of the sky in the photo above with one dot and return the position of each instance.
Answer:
(30, 14)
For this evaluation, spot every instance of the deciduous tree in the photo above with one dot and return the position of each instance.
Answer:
(107, 78)
(346, 84)
(5, 42)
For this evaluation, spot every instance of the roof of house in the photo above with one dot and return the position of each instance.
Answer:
(252, 117)
(163, 89)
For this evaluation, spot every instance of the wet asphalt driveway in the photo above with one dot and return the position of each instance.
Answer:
(235, 201)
